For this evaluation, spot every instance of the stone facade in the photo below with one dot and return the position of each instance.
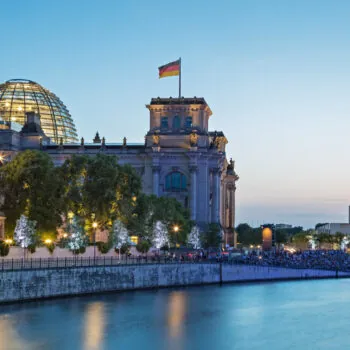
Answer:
(180, 158)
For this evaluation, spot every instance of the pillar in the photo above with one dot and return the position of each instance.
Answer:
(216, 195)
(193, 170)
(156, 170)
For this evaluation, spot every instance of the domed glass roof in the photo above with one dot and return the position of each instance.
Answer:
(19, 96)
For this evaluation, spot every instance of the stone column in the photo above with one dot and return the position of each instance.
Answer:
(216, 195)
(2, 225)
(156, 170)
(193, 170)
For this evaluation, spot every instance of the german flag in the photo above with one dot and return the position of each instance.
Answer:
(170, 69)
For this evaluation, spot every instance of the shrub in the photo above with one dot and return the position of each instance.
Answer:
(4, 248)
(31, 248)
(50, 247)
(124, 249)
(103, 247)
(143, 247)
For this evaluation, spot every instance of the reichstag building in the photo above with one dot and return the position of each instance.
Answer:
(180, 157)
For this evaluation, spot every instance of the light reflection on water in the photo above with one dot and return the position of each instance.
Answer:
(289, 315)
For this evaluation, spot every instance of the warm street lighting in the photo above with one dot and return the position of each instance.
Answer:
(94, 225)
(65, 235)
(176, 228)
(48, 241)
(8, 241)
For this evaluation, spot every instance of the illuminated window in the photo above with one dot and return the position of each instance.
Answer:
(175, 181)
(134, 239)
(176, 122)
(164, 123)
(188, 122)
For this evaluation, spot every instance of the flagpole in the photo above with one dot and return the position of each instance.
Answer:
(180, 79)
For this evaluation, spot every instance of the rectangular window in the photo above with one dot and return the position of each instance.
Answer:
(134, 239)
(188, 122)
(164, 123)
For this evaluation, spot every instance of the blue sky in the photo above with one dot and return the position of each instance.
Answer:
(276, 74)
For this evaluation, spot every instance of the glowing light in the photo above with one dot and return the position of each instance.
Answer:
(20, 108)
(94, 224)
(176, 314)
(70, 215)
(176, 228)
(48, 241)
(7, 104)
(134, 198)
(65, 235)
(8, 241)
(134, 239)
(1, 158)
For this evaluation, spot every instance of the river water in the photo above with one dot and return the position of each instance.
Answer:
(282, 315)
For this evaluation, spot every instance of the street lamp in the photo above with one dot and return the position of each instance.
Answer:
(94, 225)
(176, 228)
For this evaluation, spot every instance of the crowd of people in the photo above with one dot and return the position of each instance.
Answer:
(319, 259)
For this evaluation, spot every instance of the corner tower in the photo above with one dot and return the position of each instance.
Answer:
(188, 162)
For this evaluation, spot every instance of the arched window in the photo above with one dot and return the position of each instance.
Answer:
(175, 181)
(176, 122)
(188, 122)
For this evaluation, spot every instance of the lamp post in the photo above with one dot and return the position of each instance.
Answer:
(94, 225)
(176, 230)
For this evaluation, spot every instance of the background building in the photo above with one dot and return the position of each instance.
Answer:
(180, 157)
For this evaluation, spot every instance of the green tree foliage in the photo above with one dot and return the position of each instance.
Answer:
(4, 248)
(248, 235)
(319, 225)
(31, 185)
(212, 238)
(143, 246)
(150, 209)
(281, 236)
(98, 188)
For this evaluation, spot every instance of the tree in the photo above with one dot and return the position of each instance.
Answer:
(25, 232)
(77, 240)
(31, 185)
(194, 238)
(301, 240)
(248, 235)
(319, 225)
(160, 235)
(281, 236)
(212, 237)
(150, 209)
(99, 189)
(119, 235)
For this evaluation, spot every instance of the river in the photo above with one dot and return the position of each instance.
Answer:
(282, 315)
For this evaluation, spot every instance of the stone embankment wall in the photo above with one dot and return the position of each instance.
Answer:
(45, 283)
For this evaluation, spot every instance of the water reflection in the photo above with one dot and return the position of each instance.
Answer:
(94, 326)
(9, 335)
(176, 313)
(274, 316)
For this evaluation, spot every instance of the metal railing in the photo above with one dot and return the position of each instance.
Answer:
(74, 262)
(61, 263)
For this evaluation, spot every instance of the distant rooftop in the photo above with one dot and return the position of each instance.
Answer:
(182, 100)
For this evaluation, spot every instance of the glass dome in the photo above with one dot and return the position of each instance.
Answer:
(19, 96)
